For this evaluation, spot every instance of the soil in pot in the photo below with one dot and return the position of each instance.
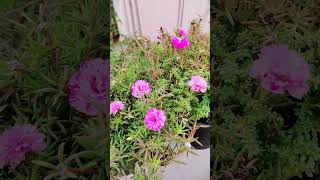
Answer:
(203, 135)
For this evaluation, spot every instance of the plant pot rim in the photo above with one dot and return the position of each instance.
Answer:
(203, 135)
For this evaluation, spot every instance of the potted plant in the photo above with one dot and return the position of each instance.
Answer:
(159, 91)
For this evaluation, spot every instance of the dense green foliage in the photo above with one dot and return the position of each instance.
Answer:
(49, 39)
(133, 147)
(269, 136)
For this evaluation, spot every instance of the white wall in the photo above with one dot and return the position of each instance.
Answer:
(145, 17)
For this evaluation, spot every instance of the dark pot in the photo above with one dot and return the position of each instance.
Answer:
(203, 135)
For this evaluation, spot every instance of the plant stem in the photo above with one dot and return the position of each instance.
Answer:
(257, 92)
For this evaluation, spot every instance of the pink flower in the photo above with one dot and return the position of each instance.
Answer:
(16, 142)
(88, 87)
(280, 69)
(179, 43)
(198, 84)
(154, 119)
(182, 32)
(115, 106)
(140, 88)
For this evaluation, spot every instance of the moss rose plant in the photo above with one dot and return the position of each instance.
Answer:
(166, 109)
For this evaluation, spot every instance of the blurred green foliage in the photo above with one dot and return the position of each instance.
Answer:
(45, 42)
(259, 142)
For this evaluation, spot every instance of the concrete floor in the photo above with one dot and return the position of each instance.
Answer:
(197, 167)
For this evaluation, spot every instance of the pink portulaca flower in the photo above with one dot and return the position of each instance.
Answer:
(154, 119)
(180, 43)
(279, 69)
(182, 32)
(140, 88)
(198, 84)
(88, 87)
(116, 106)
(16, 142)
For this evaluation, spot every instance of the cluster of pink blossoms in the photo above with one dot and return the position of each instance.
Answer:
(181, 42)
(280, 69)
(155, 119)
(139, 89)
(18, 141)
